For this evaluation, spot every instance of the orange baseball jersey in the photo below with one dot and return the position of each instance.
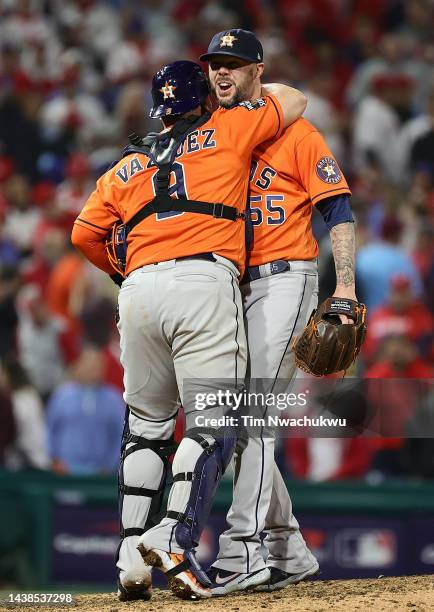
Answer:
(211, 165)
(288, 177)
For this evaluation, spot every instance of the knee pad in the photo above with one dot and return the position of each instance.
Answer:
(205, 478)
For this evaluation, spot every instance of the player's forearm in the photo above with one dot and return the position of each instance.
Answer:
(90, 244)
(292, 101)
(343, 247)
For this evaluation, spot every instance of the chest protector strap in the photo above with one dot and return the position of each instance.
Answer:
(161, 149)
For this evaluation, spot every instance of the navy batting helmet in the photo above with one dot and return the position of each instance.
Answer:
(178, 88)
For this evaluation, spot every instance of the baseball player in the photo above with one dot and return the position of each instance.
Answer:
(290, 174)
(179, 198)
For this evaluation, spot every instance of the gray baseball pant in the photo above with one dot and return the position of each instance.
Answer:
(179, 320)
(276, 309)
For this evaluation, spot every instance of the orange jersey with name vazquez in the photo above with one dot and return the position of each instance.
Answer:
(288, 177)
(212, 165)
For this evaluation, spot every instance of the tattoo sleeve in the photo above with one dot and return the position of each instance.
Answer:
(343, 247)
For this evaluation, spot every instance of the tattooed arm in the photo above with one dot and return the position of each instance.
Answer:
(343, 247)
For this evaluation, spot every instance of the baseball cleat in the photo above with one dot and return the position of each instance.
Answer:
(184, 583)
(280, 579)
(131, 591)
(226, 582)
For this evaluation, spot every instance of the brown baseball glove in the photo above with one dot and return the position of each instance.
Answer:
(326, 345)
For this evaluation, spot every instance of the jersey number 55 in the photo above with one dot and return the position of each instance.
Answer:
(274, 214)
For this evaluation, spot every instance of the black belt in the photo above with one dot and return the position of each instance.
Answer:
(206, 256)
(254, 272)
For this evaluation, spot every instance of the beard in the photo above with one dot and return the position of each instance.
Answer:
(242, 92)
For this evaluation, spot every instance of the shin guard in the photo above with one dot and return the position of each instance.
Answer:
(205, 478)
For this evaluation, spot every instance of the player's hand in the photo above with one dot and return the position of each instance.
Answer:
(348, 293)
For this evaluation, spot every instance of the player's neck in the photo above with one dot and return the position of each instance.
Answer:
(256, 90)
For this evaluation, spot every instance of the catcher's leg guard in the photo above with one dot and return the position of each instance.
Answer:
(141, 480)
(211, 464)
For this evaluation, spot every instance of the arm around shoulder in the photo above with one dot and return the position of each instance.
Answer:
(292, 101)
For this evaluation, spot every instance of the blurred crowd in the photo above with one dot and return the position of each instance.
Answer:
(75, 81)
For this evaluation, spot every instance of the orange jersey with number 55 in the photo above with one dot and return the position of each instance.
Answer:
(212, 165)
(288, 177)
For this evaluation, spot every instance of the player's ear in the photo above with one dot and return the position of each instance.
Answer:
(259, 70)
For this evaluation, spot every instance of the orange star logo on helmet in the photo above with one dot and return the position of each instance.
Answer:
(227, 40)
(168, 90)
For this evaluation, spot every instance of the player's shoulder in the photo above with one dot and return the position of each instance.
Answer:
(109, 176)
(132, 162)
(240, 117)
(289, 139)
(299, 130)
(137, 147)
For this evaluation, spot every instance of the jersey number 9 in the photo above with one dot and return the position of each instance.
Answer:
(178, 189)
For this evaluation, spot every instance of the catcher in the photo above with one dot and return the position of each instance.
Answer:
(177, 199)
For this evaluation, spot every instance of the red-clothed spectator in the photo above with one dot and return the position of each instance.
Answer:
(7, 168)
(79, 184)
(416, 368)
(325, 459)
(401, 315)
(395, 402)
(53, 216)
(113, 371)
(48, 249)
(12, 77)
(43, 193)
(400, 360)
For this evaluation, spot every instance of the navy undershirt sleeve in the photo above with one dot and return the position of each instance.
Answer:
(335, 210)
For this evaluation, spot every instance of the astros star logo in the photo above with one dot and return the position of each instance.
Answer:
(329, 169)
(227, 40)
(167, 90)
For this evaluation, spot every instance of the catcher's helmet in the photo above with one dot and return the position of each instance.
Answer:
(178, 88)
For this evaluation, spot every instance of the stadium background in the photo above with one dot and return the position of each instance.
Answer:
(74, 81)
